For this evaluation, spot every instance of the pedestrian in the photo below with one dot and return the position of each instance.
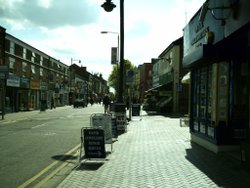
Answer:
(52, 103)
(106, 103)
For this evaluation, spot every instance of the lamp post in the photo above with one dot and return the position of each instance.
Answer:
(109, 6)
(118, 41)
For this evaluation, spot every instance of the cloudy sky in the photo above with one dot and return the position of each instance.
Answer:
(66, 29)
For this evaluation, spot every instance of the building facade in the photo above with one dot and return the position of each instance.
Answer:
(168, 94)
(216, 49)
(35, 80)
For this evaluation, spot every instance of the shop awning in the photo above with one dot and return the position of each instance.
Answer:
(186, 78)
(165, 86)
(164, 101)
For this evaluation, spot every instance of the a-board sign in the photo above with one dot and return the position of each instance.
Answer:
(94, 144)
(103, 121)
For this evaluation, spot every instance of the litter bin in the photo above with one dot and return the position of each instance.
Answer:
(43, 105)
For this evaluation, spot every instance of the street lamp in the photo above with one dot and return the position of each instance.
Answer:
(118, 41)
(72, 60)
(109, 6)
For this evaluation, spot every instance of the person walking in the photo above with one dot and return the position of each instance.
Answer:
(106, 103)
(52, 103)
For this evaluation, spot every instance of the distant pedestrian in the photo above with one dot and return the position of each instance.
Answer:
(52, 105)
(106, 103)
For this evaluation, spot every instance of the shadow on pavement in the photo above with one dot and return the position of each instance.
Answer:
(220, 168)
(90, 165)
(64, 157)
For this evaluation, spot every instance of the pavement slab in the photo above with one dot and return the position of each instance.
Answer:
(157, 152)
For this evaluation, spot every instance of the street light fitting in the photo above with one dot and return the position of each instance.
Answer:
(108, 6)
(106, 32)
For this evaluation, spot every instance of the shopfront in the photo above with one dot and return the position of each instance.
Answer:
(217, 52)
(23, 94)
(34, 95)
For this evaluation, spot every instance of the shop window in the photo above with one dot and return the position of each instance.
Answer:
(202, 99)
(239, 99)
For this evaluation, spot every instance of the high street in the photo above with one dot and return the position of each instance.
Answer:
(33, 144)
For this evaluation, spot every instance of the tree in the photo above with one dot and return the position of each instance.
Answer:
(113, 79)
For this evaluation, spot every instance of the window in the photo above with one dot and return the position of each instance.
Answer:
(11, 63)
(24, 53)
(41, 61)
(12, 47)
(18, 50)
(33, 57)
(41, 71)
(33, 70)
(24, 66)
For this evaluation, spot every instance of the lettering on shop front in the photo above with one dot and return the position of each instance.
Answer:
(94, 144)
(202, 33)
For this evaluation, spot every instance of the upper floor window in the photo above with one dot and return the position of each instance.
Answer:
(18, 50)
(24, 66)
(41, 60)
(12, 47)
(33, 57)
(24, 53)
(33, 69)
(11, 63)
(41, 71)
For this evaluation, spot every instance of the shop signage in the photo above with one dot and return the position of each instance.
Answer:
(4, 70)
(44, 86)
(130, 77)
(198, 35)
(94, 145)
(13, 81)
(35, 84)
(25, 83)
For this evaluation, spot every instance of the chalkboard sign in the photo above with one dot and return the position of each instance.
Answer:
(94, 144)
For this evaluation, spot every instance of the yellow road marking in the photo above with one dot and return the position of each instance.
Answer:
(46, 169)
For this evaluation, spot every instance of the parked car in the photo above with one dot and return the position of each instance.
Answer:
(79, 103)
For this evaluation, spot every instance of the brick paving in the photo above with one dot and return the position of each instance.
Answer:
(156, 152)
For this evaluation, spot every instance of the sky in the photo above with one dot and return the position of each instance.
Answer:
(71, 29)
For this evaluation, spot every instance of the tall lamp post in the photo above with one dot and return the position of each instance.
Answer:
(118, 41)
(109, 6)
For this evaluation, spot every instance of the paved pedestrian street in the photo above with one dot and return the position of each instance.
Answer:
(156, 152)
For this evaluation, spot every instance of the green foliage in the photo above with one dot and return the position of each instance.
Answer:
(113, 79)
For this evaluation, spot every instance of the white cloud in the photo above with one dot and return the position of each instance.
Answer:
(71, 29)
